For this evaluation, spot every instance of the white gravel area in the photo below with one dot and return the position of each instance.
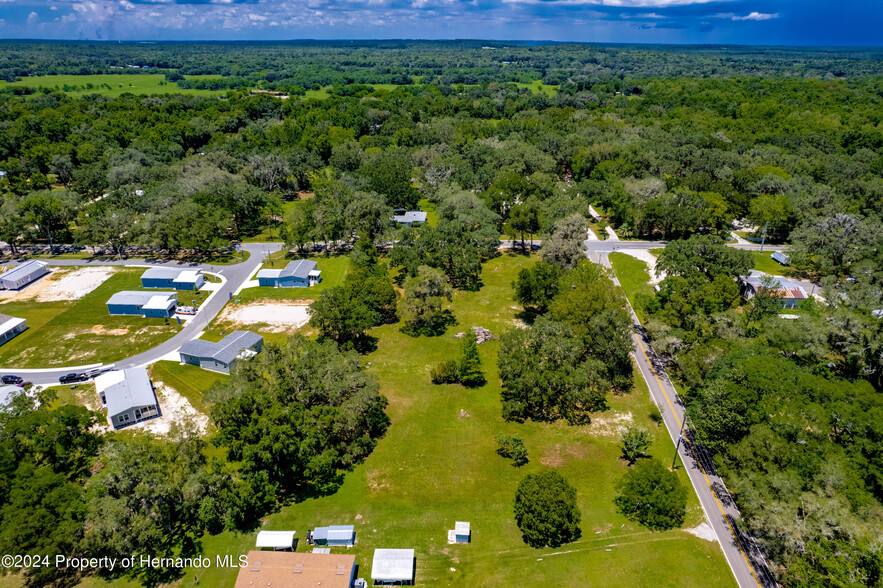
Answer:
(611, 234)
(75, 285)
(703, 531)
(270, 313)
(648, 258)
(591, 236)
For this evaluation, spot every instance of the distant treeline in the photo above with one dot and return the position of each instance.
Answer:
(307, 64)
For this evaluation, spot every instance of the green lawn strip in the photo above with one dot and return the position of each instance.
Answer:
(437, 464)
(78, 85)
(634, 278)
(766, 264)
(82, 332)
(429, 208)
(190, 381)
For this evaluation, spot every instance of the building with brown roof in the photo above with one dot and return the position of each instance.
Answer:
(280, 569)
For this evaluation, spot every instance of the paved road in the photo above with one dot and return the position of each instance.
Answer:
(745, 559)
(234, 276)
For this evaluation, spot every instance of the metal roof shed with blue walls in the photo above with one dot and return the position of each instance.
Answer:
(22, 275)
(221, 356)
(335, 535)
(164, 277)
(297, 274)
(138, 303)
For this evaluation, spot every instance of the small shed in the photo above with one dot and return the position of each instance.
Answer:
(22, 275)
(408, 218)
(782, 257)
(461, 533)
(11, 327)
(167, 277)
(221, 356)
(134, 302)
(393, 567)
(335, 535)
(128, 396)
(275, 540)
(301, 273)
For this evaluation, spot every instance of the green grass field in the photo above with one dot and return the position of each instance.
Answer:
(82, 332)
(764, 263)
(190, 381)
(108, 84)
(633, 276)
(437, 464)
(537, 87)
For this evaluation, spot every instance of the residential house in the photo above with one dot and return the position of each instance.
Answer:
(220, 356)
(128, 396)
(301, 273)
(10, 327)
(789, 293)
(167, 277)
(22, 275)
(297, 570)
(408, 218)
(149, 304)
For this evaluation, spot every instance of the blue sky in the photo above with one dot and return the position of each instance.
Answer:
(766, 22)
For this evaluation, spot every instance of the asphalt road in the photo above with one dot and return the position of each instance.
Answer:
(234, 276)
(744, 557)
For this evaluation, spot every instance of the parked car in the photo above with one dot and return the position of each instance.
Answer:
(24, 384)
(98, 371)
(14, 380)
(68, 378)
(188, 310)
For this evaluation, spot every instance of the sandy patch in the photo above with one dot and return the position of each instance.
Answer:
(595, 216)
(279, 316)
(611, 234)
(378, 479)
(33, 289)
(591, 236)
(75, 285)
(100, 330)
(609, 425)
(175, 409)
(648, 258)
(703, 531)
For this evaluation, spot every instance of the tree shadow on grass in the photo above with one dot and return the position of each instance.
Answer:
(435, 328)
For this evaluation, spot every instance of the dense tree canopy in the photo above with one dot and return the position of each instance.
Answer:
(546, 510)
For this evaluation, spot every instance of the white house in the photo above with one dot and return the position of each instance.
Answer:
(22, 275)
(128, 395)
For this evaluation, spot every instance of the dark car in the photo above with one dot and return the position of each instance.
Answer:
(14, 380)
(68, 378)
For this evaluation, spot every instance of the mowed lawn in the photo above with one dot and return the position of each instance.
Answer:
(634, 277)
(82, 332)
(763, 262)
(112, 85)
(437, 465)
(190, 381)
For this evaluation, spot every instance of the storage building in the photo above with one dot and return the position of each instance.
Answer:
(393, 567)
(11, 327)
(167, 277)
(221, 356)
(782, 257)
(333, 536)
(301, 273)
(128, 396)
(135, 302)
(275, 540)
(22, 275)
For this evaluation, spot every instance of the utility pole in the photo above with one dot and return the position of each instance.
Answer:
(680, 437)
(763, 237)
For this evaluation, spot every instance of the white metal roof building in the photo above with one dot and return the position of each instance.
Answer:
(10, 327)
(461, 533)
(22, 275)
(277, 540)
(128, 395)
(393, 567)
(409, 218)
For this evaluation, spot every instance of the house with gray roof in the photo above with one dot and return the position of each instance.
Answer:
(301, 273)
(136, 302)
(220, 356)
(22, 275)
(169, 277)
(11, 327)
(128, 396)
(408, 218)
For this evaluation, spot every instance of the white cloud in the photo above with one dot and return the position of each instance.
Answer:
(757, 16)
(33, 18)
(618, 3)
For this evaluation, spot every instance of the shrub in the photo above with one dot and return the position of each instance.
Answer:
(546, 510)
(652, 495)
(512, 448)
(445, 373)
(634, 441)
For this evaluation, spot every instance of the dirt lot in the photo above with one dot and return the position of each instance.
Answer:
(175, 409)
(279, 317)
(60, 285)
